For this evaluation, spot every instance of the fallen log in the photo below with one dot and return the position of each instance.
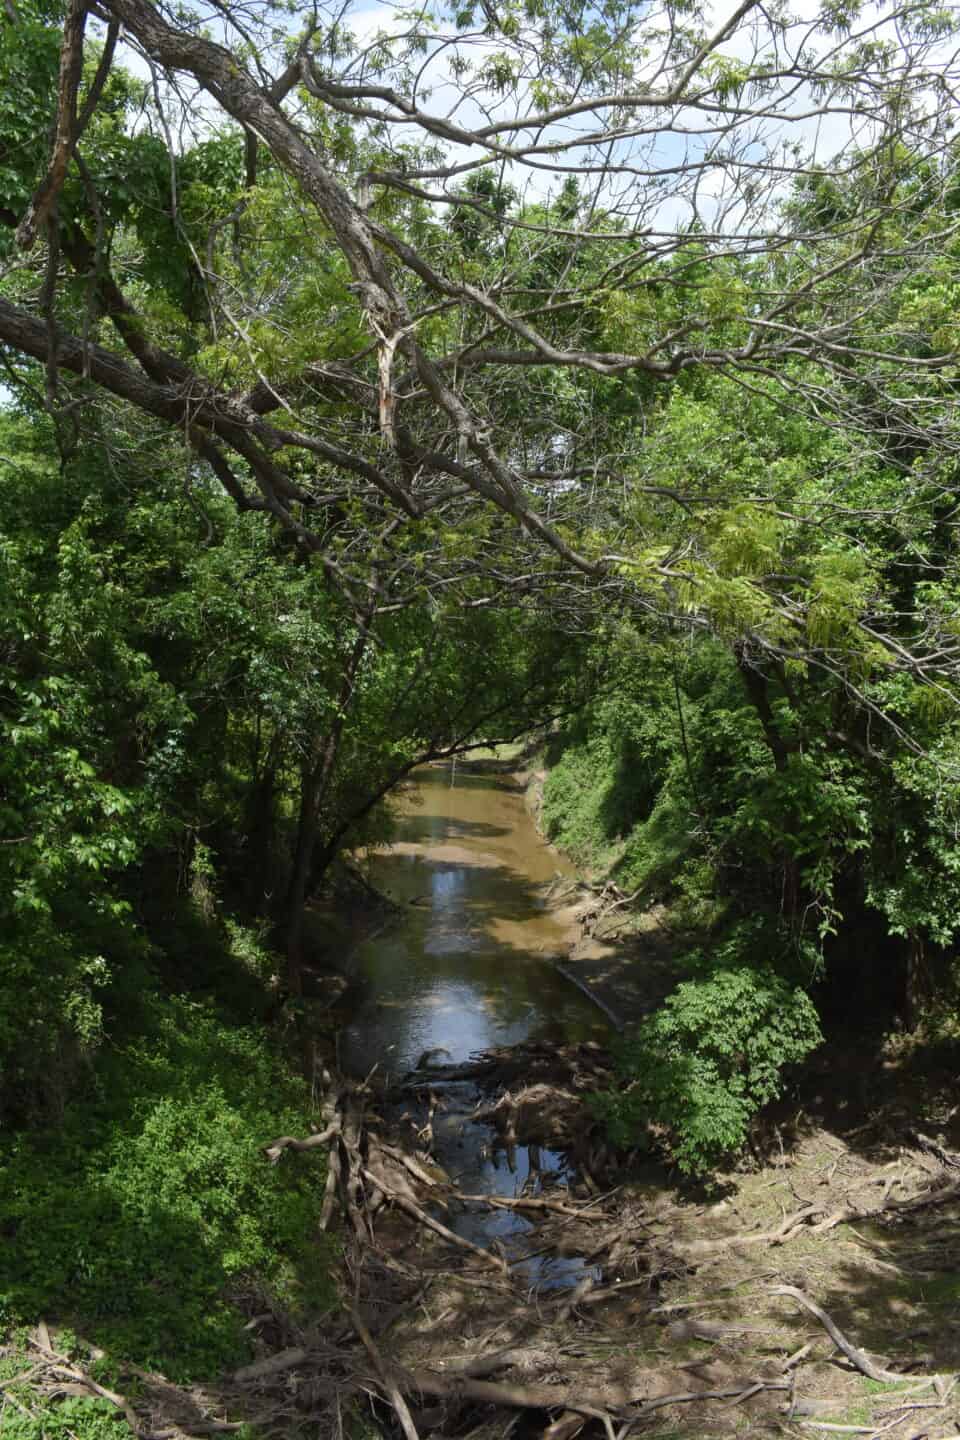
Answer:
(389, 1385)
(535, 1203)
(410, 1162)
(331, 1188)
(275, 1149)
(442, 1074)
(857, 1358)
(478, 1367)
(272, 1365)
(412, 1209)
(735, 1393)
(513, 1397)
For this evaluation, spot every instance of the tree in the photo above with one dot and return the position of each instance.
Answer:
(283, 281)
(533, 324)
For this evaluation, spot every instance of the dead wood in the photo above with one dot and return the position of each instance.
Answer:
(390, 1387)
(426, 1059)
(513, 1397)
(947, 1158)
(410, 1162)
(391, 1182)
(415, 1212)
(478, 1367)
(367, 1173)
(924, 1201)
(617, 1241)
(533, 1203)
(920, 1202)
(709, 1330)
(565, 1427)
(743, 1390)
(62, 1366)
(611, 1292)
(272, 1365)
(856, 1357)
(575, 1296)
(472, 1070)
(330, 1190)
(783, 1232)
(199, 1427)
(796, 1357)
(798, 1222)
(275, 1149)
(93, 1387)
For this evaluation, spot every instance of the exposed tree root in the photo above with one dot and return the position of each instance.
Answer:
(857, 1358)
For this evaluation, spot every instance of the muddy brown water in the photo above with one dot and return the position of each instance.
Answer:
(467, 965)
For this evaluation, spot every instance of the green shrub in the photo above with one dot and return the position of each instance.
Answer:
(708, 1059)
(75, 1418)
(152, 1210)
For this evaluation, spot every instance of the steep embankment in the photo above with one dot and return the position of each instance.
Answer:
(625, 960)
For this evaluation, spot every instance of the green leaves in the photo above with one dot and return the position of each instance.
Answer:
(155, 1207)
(708, 1059)
(74, 1418)
(29, 60)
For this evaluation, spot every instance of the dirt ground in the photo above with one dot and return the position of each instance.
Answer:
(700, 1316)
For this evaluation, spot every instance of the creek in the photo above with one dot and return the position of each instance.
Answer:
(467, 965)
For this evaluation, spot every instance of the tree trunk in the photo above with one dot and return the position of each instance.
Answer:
(298, 885)
(780, 746)
(913, 978)
(316, 776)
(261, 832)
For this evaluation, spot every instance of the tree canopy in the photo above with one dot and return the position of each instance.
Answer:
(429, 276)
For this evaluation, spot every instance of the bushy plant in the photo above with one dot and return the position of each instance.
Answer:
(152, 1210)
(73, 1418)
(704, 1063)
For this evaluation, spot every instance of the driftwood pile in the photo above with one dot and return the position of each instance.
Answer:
(539, 1093)
(439, 1337)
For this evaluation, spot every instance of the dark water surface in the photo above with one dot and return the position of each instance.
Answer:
(467, 966)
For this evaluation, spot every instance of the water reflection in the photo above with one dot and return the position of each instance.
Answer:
(468, 965)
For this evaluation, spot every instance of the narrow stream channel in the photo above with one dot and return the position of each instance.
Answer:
(465, 967)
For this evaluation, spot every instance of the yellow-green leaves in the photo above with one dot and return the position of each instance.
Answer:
(744, 540)
(839, 588)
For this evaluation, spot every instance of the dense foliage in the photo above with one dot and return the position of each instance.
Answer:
(801, 815)
(709, 1059)
(148, 1216)
(169, 674)
(326, 451)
